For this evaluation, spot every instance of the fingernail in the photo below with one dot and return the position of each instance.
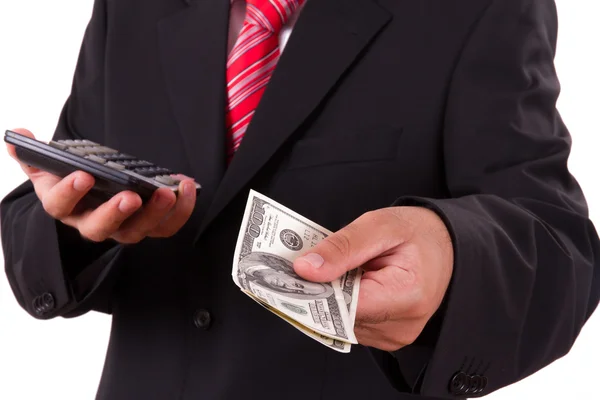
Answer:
(162, 201)
(315, 260)
(80, 184)
(126, 206)
(188, 190)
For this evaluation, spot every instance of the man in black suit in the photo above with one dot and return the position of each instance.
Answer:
(424, 132)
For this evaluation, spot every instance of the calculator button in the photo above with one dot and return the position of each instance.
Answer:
(108, 150)
(143, 172)
(166, 179)
(104, 150)
(115, 165)
(86, 149)
(137, 164)
(97, 159)
(58, 145)
(76, 151)
(163, 171)
(118, 157)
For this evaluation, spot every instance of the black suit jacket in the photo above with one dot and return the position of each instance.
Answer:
(444, 104)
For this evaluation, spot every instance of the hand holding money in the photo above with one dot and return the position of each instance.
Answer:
(271, 238)
(407, 256)
(314, 280)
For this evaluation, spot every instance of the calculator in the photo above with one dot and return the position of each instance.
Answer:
(113, 170)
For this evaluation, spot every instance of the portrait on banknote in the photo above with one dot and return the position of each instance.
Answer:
(275, 273)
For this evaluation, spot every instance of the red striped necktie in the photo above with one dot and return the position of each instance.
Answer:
(252, 62)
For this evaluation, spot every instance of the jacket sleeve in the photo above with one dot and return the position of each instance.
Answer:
(527, 265)
(52, 270)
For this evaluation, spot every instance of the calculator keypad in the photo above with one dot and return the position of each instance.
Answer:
(95, 158)
(141, 169)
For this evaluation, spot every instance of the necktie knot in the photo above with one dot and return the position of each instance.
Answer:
(271, 15)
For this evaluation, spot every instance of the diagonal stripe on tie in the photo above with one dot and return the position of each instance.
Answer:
(251, 63)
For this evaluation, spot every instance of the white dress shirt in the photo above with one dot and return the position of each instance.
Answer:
(236, 21)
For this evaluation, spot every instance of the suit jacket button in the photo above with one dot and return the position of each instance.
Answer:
(48, 301)
(459, 384)
(475, 384)
(202, 319)
(484, 382)
(43, 304)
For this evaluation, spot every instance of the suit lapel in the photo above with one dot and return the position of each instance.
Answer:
(193, 47)
(327, 38)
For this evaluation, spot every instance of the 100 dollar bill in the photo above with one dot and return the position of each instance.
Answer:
(338, 345)
(271, 238)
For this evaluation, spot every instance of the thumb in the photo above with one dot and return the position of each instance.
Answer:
(41, 180)
(349, 248)
(13, 152)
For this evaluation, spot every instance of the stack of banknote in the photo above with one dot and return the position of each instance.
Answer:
(271, 238)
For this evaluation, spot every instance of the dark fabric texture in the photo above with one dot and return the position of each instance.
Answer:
(441, 104)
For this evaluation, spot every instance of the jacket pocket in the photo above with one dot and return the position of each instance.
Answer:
(372, 147)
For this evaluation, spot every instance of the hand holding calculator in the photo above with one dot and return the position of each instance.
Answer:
(114, 171)
(122, 183)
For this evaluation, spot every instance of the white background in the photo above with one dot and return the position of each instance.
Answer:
(39, 45)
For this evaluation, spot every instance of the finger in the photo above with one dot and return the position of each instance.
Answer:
(369, 236)
(101, 223)
(180, 213)
(378, 337)
(368, 336)
(373, 303)
(12, 151)
(365, 335)
(388, 294)
(60, 196)
(43, 182)
(139, 226)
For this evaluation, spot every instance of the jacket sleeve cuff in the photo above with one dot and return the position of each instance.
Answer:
(452, 357)
(53, 271)
(413, 360)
